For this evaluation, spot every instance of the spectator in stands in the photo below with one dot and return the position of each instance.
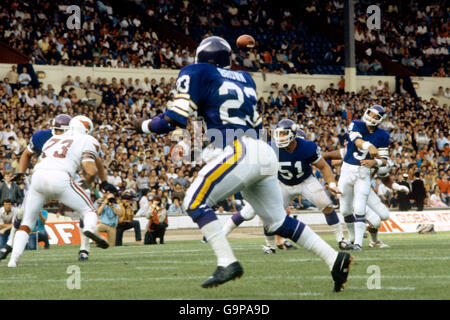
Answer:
(363, 66)
(109, 212)
(444, 188)
(13, 77)
(157, 223)
(10, 189)
(39, 233)
(175, 208)
(126, 219)
(24, 78)
(441, 141)
(436, 199)
(7, 212)
(418, 193)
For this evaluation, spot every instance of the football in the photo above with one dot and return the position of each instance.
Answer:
(245, 41)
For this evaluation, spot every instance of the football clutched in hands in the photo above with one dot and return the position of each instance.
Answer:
(245, 41)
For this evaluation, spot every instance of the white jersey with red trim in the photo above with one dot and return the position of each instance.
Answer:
(67, 151)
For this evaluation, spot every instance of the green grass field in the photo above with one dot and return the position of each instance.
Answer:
(415, 267)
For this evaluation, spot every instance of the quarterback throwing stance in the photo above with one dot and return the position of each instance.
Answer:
(61, 157)
(354, 182)
(376, 211)
(227, 102)
(295, 157)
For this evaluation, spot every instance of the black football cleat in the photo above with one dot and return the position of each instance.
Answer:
(83, 255)
(99, 241)
(4, 252)
(340, 270)
(223, 274)
(289, 246)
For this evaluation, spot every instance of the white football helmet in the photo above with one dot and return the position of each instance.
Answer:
(81, 124)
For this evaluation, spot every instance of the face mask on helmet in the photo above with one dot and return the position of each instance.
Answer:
(283, 137)
(373, 117)
(60, 122)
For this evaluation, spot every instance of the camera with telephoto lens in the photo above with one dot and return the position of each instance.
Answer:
(111, 200)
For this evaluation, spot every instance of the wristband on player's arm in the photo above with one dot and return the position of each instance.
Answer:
(379, 162)
(366, 145)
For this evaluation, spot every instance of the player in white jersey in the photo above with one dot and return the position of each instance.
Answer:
(376, 211)
(52, 179)
(60, 124)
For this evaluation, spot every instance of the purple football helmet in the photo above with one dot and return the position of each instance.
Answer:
(61, 122)
(300, 133)
(214, 50)
(374, 115)
(285, 133)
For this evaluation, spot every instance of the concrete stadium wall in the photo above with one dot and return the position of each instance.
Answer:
(56, 75)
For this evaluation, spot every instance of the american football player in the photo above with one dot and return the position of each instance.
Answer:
(60, 159)
(227, 102)
(296, 155)
(376, 211)
(60, 124)
(362, 155)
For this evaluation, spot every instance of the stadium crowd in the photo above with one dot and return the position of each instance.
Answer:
(164, 166)
(109, 39)
(419, 40)
(112, 39)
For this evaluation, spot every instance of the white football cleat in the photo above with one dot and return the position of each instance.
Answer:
(12, 264)
(378, 244)
(268, 250)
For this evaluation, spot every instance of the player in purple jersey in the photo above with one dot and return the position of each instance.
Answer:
(362, 154)
(296, 155)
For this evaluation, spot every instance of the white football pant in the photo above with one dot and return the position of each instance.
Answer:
(251, 168)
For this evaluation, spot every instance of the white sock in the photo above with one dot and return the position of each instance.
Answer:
(85, 244)
(360, 228)
(11, 237)
(374, 236)
(312, 242)
(271, 241)
(20, 242)
(90, 221)
(337, 231)
(228, 227)
(216, 238)
(351, 231)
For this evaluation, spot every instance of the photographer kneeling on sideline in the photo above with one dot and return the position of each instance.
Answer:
(126, 219)
(157, 223)
(109, 212)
